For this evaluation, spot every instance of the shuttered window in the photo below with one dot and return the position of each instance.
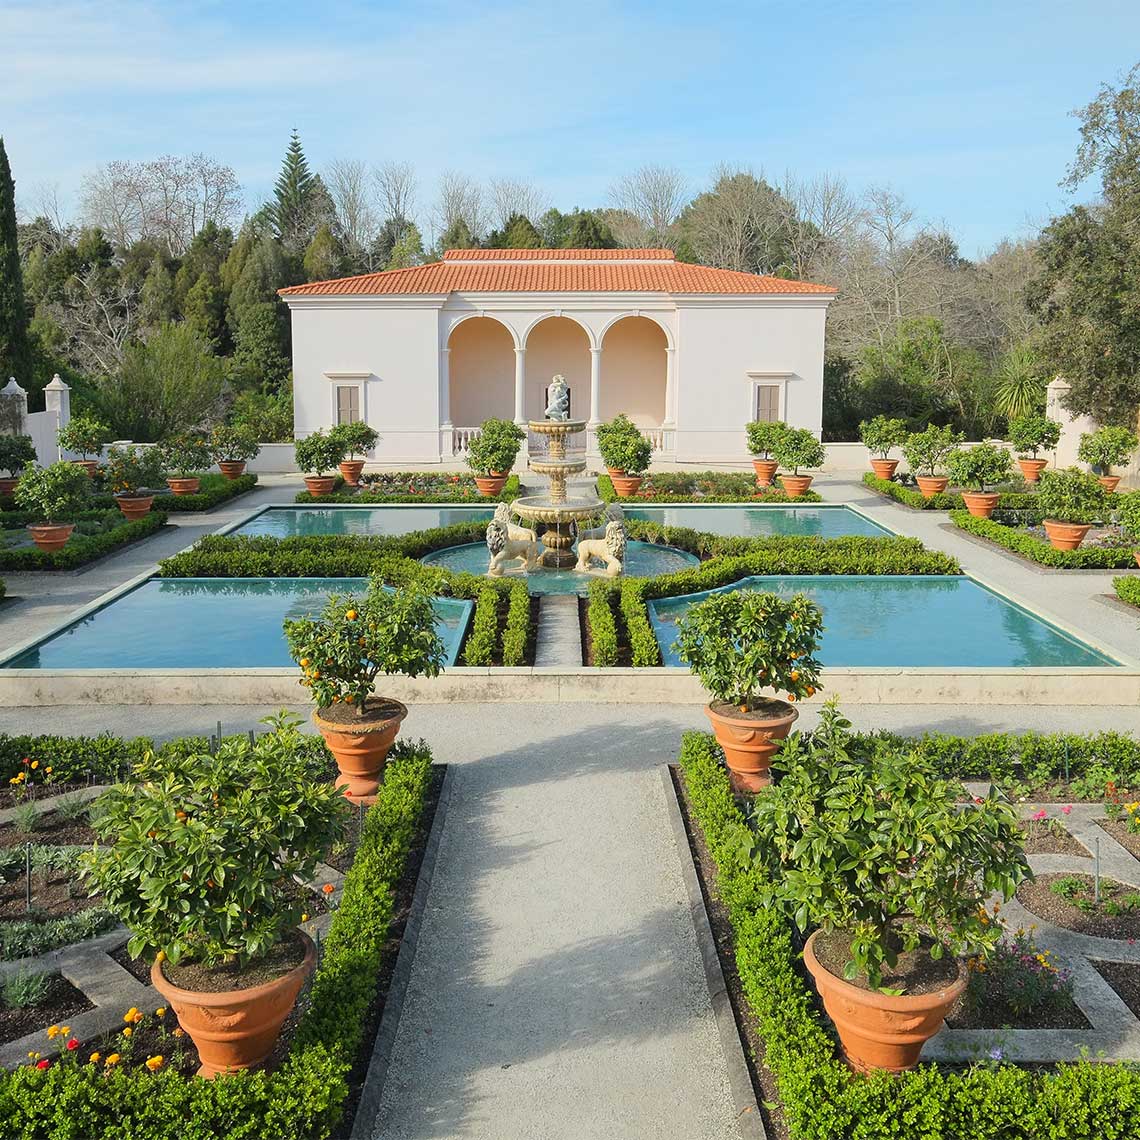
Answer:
(347, 403)
(768, 402)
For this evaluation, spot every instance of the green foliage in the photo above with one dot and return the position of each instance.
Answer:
(1021, 383)
(85, 435)
(979, 466)
(642, 641)
(23, 989)
(762, 436)
(601, 623)
(415, 487)
(233, 443)
(53, 494)
(1039, 550)
(1071, 496)
(214, 489)
(946, 501)
(319, 452)
(260, 359)
(926, 451)
(342, 652)
(797, 447)
(496, 447)
(205, 847)
(1033, 432)
(1127, 590)
(184, 455)
(741, 642)
(704, 486)
(268, 415)
(1018, 978)
(292, 208)
(517, 631)
(112, 532)
(480, 646)
(15, 350)
(517, 233)
(881, 434)
(835, 833)
(1107, 447)
(623, 447)
(16, 452)
(27, 937)
(132, 470)
(357, 437)
(1128, 514)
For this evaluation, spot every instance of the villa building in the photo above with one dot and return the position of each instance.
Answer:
(689, 353)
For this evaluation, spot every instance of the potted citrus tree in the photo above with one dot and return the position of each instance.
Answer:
(927, 451)
(795, 448)
(875, 851)
(1030, 434)
(625, 452)
(205, 854)
(86, 436)
(16, 452)
(762, 436)
(232, 446)
(492, 454)
(1104, 449)
(357, 437)
(318, 453)
(879, 435)
(52, 495)
(342, 652)
(978, 467)
(184, 457)
(1128, 515)
(1069, 501)
(740, 643)
(132, 473)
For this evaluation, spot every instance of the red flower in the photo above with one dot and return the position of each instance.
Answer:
(72, 1045)
(26, 760)
(43, 1063)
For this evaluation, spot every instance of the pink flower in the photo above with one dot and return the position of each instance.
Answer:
(1039, 814)
(978, 800)
(1067, 809)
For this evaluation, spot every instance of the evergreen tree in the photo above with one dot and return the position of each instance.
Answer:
(292, 197)
(588, 231)
(323, 257)
(15, 351)
(205, 310)
(259, 361)
(266, 270)
(408, 251)
(156, 299)
(456, 236)
(206, 254)
(518, 232)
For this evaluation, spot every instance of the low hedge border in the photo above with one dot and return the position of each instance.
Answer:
(820, 1097)
(726, 487)
(512, 489)
(1038, 550)
(82, 548)
(948, 500)
(304, 1099)
(1127, 590)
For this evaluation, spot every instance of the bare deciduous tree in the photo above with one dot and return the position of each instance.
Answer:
(655, 196)
(396, 183)
(820, 215)
(737, 224)
(510, 196)
(98, 317)
(357, 220)
(460, 197)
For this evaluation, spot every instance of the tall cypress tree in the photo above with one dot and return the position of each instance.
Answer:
(15, 351)
(291, 195)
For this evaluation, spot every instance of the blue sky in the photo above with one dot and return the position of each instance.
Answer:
(962, 107)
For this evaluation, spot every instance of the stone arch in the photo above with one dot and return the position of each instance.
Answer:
(481, 370)
(662, 325)
(558, 344)
(635, 366)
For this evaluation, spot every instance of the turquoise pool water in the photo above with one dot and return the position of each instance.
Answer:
(207, 623)
(933, 622)
(291, 522)
(751, 522)
(642, 559)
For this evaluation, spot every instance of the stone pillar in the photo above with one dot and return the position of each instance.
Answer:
(670, 388)
(445, 387)
(1072, 427)
(57, 398)
(520, 387)
(595, 387)
(14, 413)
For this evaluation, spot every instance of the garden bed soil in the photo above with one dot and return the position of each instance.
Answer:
(763, 1080)
(51, 830)
(916, 972)
(1041, 840)
(286, 955)
(764, 710)
(36, 793)
(61, 1002)
(1039, 898)
(60, 896)
(963, 1015)
(376, 710)
(1124, 978)
(1118, 829)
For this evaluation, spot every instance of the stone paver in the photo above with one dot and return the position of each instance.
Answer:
(559, 639)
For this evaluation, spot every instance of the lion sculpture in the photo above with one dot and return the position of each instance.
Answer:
(609, 549)
(503, 548)
(514, 533)
(614, 513)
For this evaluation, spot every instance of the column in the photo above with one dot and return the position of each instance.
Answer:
(670, 388)
(520, 387)
(595, 387)
(445, 387)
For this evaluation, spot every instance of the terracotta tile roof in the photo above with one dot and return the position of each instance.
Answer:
(556, 271)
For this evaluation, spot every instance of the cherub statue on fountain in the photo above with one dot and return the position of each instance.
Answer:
(559, 396)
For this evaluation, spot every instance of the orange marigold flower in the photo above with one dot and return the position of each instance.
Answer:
(113, 1059)
(328, 888)
(154, 1063)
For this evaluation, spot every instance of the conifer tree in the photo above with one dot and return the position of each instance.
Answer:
(15, 350)
(290, 208)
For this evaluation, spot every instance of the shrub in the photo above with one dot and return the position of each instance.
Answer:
(1032, 433)
(979, 466)
(233, 443)
(741, 642)
(705, 486)
(1071, 496)
(206, 848)
(643, 648)
(354, 640)
(414, 487)
(926, 451)
(318, 453)
(517, 630)
(53, 494)
(131, 470)
(946, 501)
(623, 447)
(24, 988)
(797, 447)
(1127, 590)
(1128, 514)
(880, 434)
(763, 435)
(494, 450)
(84, 435)
(184, 455)
(1106, 447)
(357, 437)
(601, 623)
(1038, 550)
(16, 452)
(480, 647)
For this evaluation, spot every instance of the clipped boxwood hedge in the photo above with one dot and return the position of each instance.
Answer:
(948, 500)
(303, 1099)
(80, 548)
(820, 1097)
(1127, 589)
(703, 487)
(1039, 550)
(463, 491)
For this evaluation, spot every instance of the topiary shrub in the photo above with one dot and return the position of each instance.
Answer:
(623, 447)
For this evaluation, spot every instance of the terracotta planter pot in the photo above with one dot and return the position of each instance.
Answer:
(490, 485)
(188, 486)
(749, 743)
(795, 485)
(236, 1029)
(980, 503)
(884, 468)
(134, 506)
(615, 472)
(1031, 469)
(320, 484)
(1109, 482)
(51, 536)
(88, 465)
(878, 1031)
(1136, 555)
(351, 469)
(931, 485)
(1065, 536)
(7, 486)
(626, 485)
(360, 750)
(765, 471)
(231, 468)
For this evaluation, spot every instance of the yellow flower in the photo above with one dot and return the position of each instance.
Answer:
(64, 1030)
(161, 955)
(48, 768)
(304, 918)
(113, 1059)
(154, 1063)
(54, 1031)
(178, 1031)
(160, 1012)
(128, 1031)
(95, 1058)
(35, 763)
(129, 1016)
